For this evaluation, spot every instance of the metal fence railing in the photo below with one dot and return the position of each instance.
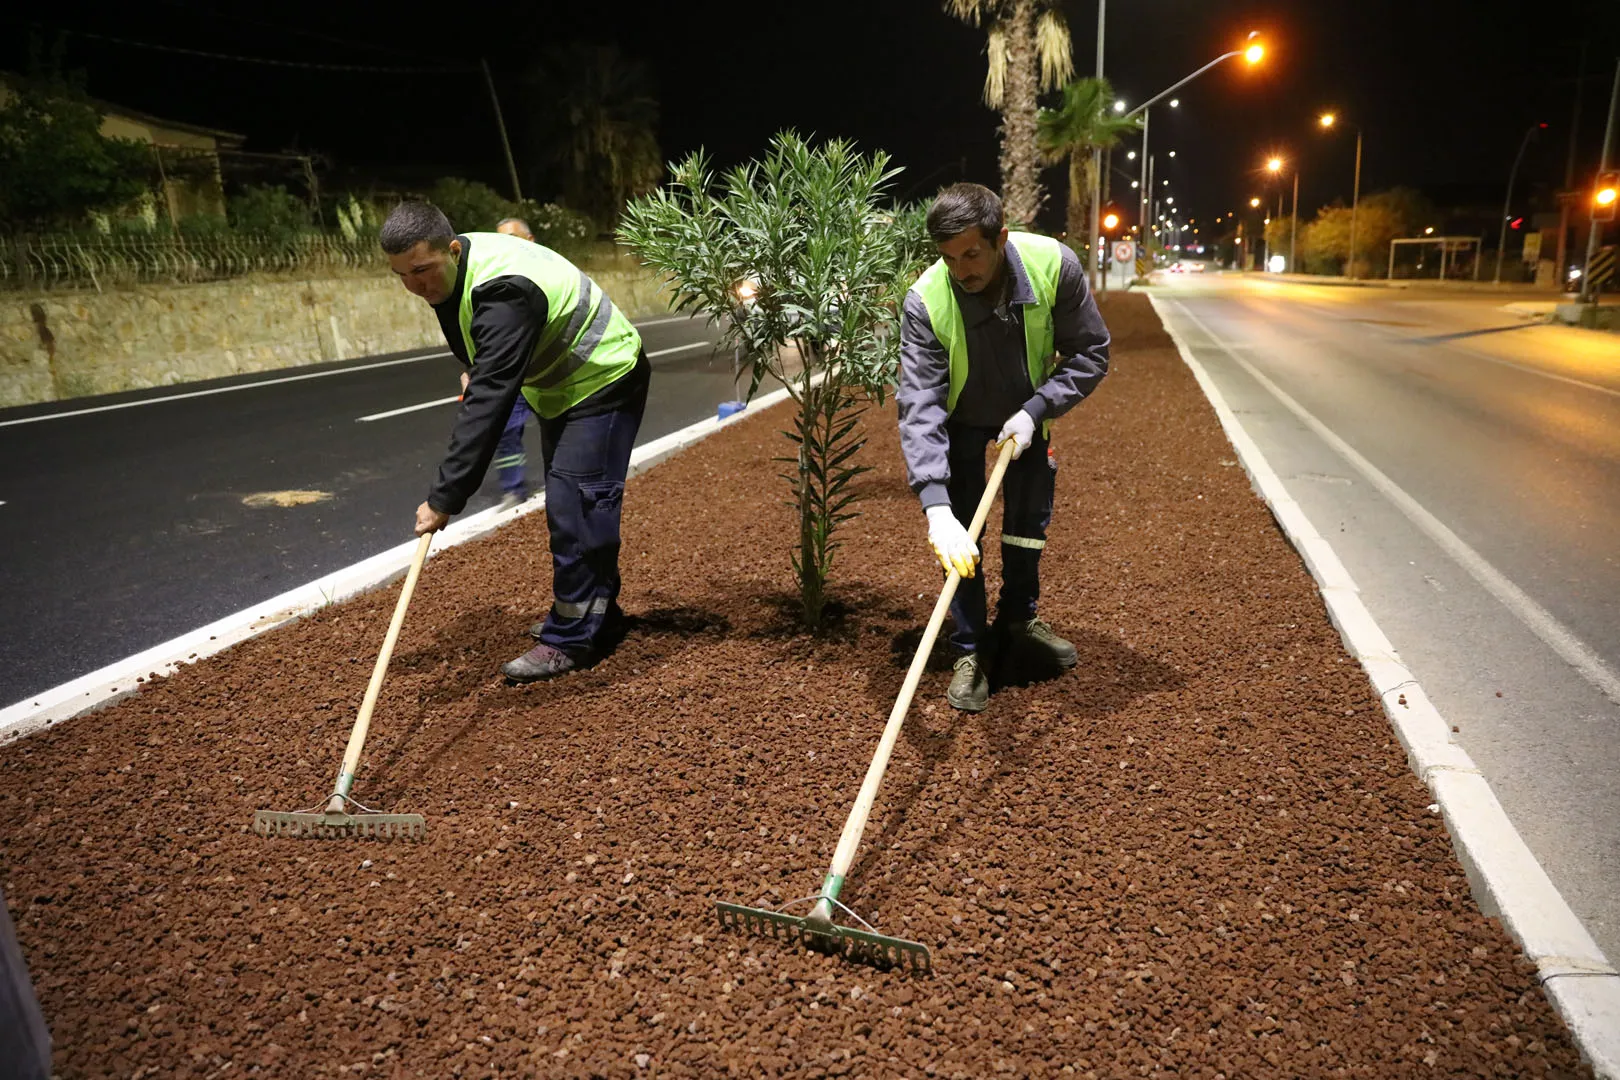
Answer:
(70, 262)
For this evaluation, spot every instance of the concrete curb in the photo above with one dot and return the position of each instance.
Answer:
(124, 677)
(1506, 880)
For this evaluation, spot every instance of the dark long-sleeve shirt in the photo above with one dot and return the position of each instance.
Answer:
(998, 383)
(508, 316)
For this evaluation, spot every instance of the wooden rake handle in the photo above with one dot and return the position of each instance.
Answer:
(850, 840)
(362, 723)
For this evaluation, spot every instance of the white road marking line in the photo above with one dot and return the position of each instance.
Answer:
(1534, 371)
(661, 322)
(680, 348)
(221, 389)
(1418, 342)
(1541, 622)
(409, 408)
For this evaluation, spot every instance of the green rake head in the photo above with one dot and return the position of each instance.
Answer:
(824, 936)
(334, 823)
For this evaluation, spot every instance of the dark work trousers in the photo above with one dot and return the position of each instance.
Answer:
(1026, 511)
(510, 459)
(587, 459)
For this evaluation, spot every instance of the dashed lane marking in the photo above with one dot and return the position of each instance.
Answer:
(680, 348)
(409, 408)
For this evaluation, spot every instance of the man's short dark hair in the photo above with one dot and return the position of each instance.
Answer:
(960, 207)
(412, 222)
(514, 221)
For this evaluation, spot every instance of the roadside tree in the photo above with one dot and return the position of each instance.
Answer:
(1027, 44)
(1086, 121)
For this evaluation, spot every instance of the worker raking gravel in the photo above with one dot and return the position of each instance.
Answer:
(525, 321)
(1000, 337)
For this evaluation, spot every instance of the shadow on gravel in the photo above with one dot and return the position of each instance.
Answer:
(648, 638)
(1108, 678)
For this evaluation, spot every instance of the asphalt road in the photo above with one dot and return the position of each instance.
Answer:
(1466, 466)
(123, 521)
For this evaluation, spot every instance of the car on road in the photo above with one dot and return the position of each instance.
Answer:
(1186, 266)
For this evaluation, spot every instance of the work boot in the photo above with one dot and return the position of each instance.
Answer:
(1039, 636)
(970, 684)
(541, 662)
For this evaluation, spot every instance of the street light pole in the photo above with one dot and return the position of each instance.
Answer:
(1293, 225)
(1501, 241)
(506, 146)
(1589, 294)
(1355, 197)
(1094, 259)
(1146, 179)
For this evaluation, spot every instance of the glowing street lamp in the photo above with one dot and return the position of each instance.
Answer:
(1252, 51)
(1119, 106)
(1327, 120)
(1254, 203)
(1275, 166)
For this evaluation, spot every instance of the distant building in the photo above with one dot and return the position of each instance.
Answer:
(187, 154)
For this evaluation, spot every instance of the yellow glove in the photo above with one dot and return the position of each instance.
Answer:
(951, 542)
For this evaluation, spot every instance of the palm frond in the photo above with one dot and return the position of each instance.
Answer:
(1053, 46)
(971, 12)
(995, 79)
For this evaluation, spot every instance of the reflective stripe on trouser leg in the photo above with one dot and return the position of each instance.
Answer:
(564, 610)
(1026, 513)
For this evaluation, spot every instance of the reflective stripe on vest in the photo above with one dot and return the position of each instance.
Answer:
(587, 342)
(1043, 261)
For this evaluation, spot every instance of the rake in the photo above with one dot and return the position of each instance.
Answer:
(817, 930)
(335, 821)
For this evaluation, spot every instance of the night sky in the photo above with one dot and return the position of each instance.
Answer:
(1443, 89)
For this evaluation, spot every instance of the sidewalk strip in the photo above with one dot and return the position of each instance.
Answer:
(1506, 880)
(106, 685)
(408, 408)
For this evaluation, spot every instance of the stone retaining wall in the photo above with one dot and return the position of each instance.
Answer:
(60, 345)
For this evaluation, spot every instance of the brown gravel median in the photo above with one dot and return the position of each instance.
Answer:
(1200, 852)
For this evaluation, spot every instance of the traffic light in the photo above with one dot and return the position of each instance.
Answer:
(1607, 194)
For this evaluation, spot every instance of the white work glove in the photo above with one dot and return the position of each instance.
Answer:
(950, 541)
(1021, 430)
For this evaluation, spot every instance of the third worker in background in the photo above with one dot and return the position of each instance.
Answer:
(999, 338)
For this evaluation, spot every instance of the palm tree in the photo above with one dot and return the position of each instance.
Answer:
(1028, 50)
(595, 120)
(1083, 123)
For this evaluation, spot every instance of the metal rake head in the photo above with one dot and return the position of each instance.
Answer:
(859, 946)
(327, 825)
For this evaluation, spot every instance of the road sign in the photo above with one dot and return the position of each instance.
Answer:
(1144, 266)
(1601, 268)
(1125, 251)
